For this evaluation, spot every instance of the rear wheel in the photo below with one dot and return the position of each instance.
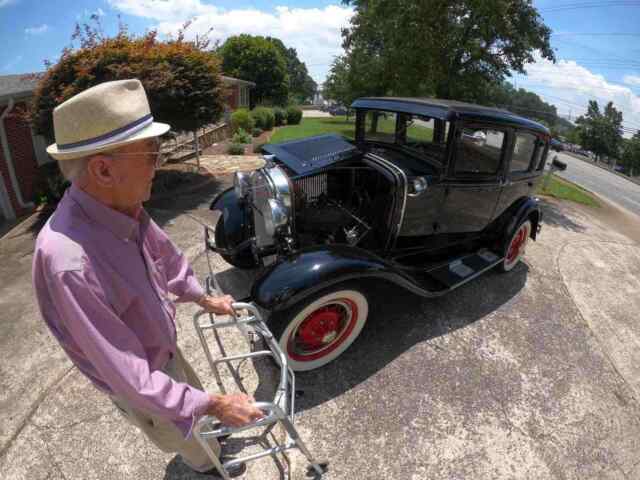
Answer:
(318, 330)
(516, 247)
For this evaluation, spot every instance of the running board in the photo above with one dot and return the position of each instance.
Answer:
(460, 271)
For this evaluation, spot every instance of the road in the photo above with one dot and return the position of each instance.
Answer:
(604, 183)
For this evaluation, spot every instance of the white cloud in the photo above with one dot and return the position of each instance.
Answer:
(39, 30)
(313, 32)
(6, 3)
(570, 86)
(631, 79)
(100, 12)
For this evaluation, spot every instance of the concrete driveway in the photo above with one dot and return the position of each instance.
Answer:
(532, 374)
(603, 182)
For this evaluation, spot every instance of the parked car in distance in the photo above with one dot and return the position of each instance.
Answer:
(557, 145)
(337, 110)
(429, 195)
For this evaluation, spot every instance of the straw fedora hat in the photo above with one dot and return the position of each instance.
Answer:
(102, 118)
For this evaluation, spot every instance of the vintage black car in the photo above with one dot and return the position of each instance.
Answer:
(431, 194)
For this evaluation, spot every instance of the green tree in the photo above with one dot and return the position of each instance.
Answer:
(631, 155)
(301, 86)
(601, 131)
(182, 78)
(449, 49)
(258, 60)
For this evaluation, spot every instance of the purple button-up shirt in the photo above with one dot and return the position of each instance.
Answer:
(102, 280)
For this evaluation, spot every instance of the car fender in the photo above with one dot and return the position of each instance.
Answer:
(233, 217)
(310, 270)
(523, 209)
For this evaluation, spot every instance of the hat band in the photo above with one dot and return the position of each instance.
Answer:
(110, 137)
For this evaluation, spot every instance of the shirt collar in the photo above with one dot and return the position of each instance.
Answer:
(121, 225)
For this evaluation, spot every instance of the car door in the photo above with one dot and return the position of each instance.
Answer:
(521, 171)
(472, 186)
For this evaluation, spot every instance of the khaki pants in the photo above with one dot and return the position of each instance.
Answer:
(163, 433)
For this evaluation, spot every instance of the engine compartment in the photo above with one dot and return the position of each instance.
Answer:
(347, 204)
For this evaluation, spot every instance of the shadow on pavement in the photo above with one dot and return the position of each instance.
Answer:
(554, 215)
(398, 320)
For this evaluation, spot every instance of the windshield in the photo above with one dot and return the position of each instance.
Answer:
(422, 135)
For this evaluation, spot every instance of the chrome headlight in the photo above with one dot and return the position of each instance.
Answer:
(241, 184)
(275, 216)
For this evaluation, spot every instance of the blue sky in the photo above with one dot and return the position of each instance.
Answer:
(590, 66)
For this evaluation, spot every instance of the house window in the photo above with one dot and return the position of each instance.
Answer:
(244, 96)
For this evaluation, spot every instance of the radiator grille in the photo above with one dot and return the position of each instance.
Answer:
(310, 188)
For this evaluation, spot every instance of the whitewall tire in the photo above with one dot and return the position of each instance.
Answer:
(516, 247)
(320, 331)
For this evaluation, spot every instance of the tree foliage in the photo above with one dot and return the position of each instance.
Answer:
(181, 78)
(301, 86)
(601, 131)
(449, 49)
(631, 155)
(258, 60)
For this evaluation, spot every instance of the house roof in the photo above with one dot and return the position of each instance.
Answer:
(237, 81)
(18, 86)
(448, 110)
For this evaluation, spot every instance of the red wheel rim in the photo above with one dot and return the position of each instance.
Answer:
(517, 242)
(323, 330)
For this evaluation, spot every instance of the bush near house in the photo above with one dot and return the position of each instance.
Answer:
(280, 116)
(181, 78)
(256, 132)
(236, 149)
(242, 119)
(264, 117)
(241, 136)
(294, 115)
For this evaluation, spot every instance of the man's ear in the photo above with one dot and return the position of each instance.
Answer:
(102, 170)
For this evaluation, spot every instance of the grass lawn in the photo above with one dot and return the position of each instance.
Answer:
(309, 127)
(562, 189)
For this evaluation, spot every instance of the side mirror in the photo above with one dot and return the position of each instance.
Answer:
(558, 165)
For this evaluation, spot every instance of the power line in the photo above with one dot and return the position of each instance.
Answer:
(586, 5)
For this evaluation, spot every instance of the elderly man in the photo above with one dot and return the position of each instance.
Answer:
(103, 271)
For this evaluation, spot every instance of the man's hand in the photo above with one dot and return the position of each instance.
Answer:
(219, 305)
(234, 410)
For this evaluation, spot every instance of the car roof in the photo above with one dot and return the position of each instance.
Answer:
(448, 110)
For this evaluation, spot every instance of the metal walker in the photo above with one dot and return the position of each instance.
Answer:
(281, 409)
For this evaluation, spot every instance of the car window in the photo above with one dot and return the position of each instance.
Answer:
(478, 151)
(540, 156)
(523, 150)
(380, 126)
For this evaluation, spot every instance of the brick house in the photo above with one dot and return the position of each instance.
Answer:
(22, 151)
(239, 95)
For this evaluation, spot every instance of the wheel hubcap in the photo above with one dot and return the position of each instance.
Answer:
(323, 330)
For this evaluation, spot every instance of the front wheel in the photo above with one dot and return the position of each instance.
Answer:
(318, 330)
(516, 247)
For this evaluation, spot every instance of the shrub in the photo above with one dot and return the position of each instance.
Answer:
(241, 136)
(280, 115)
(257, 148)
(241, 119)
(236, 149)
(264, 117)
(294, 115)
(181, 78)
(257, 132)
